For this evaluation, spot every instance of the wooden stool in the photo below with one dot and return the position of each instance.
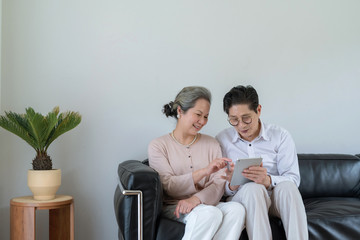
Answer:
(61, 217)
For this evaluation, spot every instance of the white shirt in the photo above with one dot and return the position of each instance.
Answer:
(274, 145)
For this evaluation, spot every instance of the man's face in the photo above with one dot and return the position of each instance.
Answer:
(248, 124)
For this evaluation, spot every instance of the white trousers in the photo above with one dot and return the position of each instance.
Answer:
(205, 222)
(285, 202)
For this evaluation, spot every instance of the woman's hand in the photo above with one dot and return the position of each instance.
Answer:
(257, 174)
(186, 205)
(216, 165)
(229, 173)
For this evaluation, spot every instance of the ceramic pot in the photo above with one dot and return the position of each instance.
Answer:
(44, 183)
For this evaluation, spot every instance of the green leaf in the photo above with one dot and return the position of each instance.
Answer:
(50, 121)
(17, 124)
(37, 126)
(66, 122)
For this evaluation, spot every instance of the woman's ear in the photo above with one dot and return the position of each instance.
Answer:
(179, 112)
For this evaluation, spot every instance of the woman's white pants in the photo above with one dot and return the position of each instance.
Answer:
(224, 221)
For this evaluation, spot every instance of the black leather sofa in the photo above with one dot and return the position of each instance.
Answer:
(330, 187)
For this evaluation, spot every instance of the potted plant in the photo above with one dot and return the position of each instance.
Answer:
(39, 132)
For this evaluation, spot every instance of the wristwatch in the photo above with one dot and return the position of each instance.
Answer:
(270, 187)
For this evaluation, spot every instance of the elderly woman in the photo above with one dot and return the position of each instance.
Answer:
(190, 166)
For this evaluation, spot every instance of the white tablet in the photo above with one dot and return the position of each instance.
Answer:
(240, 165)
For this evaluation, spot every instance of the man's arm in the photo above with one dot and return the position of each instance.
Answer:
(287, 162)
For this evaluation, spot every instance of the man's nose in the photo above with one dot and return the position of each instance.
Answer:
(242, 124)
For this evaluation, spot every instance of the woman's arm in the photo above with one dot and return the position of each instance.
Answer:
(176, 186)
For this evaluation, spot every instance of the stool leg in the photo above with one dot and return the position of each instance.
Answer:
(22, 223)
(72, 231)
(59, 223)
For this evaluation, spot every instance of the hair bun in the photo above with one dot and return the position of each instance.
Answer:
(168, 109)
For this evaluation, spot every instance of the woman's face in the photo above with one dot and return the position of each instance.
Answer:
(195, 118)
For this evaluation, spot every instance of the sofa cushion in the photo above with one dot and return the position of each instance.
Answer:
(169, 229)
(329, 175)
(333, 218)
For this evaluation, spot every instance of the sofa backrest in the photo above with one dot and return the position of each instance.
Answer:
(329, 175)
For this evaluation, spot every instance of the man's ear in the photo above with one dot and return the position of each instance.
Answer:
(259, 109)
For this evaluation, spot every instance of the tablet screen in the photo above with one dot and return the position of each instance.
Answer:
(240, 165)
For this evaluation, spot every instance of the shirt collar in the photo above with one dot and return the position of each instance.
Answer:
(235, 136)
(263, 134)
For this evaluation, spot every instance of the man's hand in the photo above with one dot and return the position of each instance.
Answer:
(257, 174)
(186, 205)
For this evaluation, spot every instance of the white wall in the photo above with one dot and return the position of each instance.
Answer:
(0, 48)
(118, 62)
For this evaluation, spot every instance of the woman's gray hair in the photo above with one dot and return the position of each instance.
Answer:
(186, 99)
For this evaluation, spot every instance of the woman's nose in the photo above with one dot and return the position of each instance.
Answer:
(202, 121)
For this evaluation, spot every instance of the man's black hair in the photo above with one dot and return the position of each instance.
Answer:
(241, 95)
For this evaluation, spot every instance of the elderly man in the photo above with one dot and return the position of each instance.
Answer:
(274, 186)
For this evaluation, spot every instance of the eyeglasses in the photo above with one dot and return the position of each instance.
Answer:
(235, 121)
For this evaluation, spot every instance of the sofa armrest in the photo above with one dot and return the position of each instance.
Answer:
(139, 195)
(134, 175)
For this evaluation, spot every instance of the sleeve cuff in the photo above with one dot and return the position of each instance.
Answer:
(274, 181)
(228, 191)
